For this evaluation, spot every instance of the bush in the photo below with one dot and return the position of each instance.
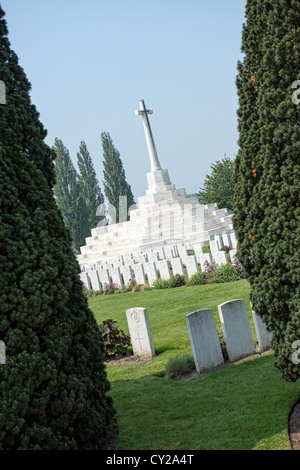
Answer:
(179, 365)
(175, 281)
(115, 341)
(110, 288)
(226, 273)
(197, 279)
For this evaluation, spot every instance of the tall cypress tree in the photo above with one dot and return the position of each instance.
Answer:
(69, 196)
(267, 202)
(53, 387)
(89, 185)
(115, 184)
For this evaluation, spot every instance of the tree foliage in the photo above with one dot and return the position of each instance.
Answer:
(115, 184)
(267, 187)
(69, 196)
(89, 185)
(53, 387)
(219, 185)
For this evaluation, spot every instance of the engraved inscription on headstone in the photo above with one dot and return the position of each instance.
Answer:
(139, 330)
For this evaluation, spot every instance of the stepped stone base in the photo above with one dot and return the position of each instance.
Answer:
(165, 216)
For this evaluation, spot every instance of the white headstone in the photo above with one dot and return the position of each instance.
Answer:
(221, 258)
(139, 274)
(263, 335)
(214, 249)
(204, 259)
(86, 280)
(95, 280)
(104, 277)
(191, 265)
(151, 272)
(139, 330)
(164, 269)
(236, 329)
(177, 267)
(204, 339)
(127, 275)
(233, 240)
(116, 277)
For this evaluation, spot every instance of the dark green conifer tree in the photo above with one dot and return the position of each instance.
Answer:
(115, 184)
(53, 386)
(267, 188)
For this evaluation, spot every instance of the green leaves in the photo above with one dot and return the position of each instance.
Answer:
(267, 179)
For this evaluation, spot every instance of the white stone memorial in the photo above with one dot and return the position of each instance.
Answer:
(204, 339)
(151, 272)
(104, 277)
(204, 259)
(85, 280)
(127, 275)
(191, 265)
(221, 258)
(164, 216)
(140, 333)
(95, 280)
(164, 269)
(115, 274)
(139, 274)
(177, 267)
(263, 335)
(236, 328)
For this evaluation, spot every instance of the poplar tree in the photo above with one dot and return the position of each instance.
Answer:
(53, 386)
(69, 197)
(267, 188)
(89, 185)
(115, 184)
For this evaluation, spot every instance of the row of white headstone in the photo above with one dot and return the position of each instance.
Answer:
(161, 263)
(203, 334)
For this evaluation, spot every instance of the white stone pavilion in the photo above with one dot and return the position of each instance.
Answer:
(165, 217)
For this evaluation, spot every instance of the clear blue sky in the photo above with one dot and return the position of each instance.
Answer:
(89, 64)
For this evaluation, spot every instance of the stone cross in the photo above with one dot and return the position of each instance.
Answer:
(155, 165)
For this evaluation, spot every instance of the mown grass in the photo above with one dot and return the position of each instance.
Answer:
(242, 407)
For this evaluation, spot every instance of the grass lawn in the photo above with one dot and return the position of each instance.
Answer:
(242, 407)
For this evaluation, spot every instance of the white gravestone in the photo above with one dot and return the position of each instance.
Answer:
(104, 277)
(151, 272)
(221, 258)
(127, 275)
(177, 267)
(95, 280)
(204, 339)
(140, 333)
(164, 269)
(139, 274)
(214, 249)
(204, 259)
(263, 335)
(236, 329)
(86, 280)
(116, 277)
(191, 265)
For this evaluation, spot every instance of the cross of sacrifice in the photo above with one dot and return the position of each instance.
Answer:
(155, 165)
